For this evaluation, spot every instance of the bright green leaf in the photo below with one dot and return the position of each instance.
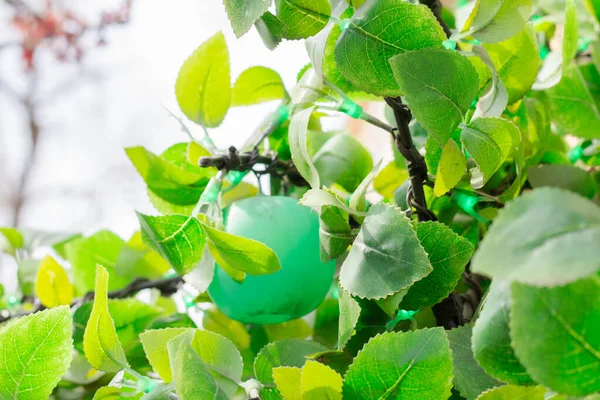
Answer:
(155, 346)
(512, 392)
(570, 42)
(181, 185)
(52, 285)
(489, 141)
(439, 86)
(100, 341)
(244, 13)
(453, 165)
(538, 235)
(517, 62)
(448, 253)
(36, 352)
(554, 333)
(378, 31)
(203, 86)
(240, 253)
(285, 353)
(257, 85)
(415, 365)
(386, 256)
(193, 379)
(303, 18)
(288, 381)
(180, 239)
(574, 104)
(469, 378)
(389, 179)
(215, 321)
(491, 338)
(493, 21)
(320, 382)
(103, 247)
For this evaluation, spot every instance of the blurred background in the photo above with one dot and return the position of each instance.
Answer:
(82, 79)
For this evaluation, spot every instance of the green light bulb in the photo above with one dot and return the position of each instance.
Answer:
(292, 231)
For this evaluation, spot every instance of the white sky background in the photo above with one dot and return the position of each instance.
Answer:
(83, 180)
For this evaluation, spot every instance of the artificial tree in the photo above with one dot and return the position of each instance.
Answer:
(473, 275)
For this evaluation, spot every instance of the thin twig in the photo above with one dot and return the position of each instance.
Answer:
(166, 286)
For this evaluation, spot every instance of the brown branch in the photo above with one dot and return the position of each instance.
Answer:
(167, 287)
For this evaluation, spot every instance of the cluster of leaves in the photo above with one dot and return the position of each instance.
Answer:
(506, 113)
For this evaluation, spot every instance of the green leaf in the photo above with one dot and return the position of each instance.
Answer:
(326, 329)
(14, 240)
(271, 30)
(136, 259)
(285, 353)
(52, 285)
(562, 176)
(244, 13)
(288, 381)
(573, 104)
(358, 199)
(415, 365)
(453, 165)
(114, 393)
(379, 31)
(489, 141)
(554, 332)
(512, 392)
(180, 184)
(180, 239)
(303, 18)
(570, 42)
(517, 62)
(155, 346)
(493, 21)
(493, 100)
(439, 86)
(326, 197)
(294, 329)
(215, 321)
(335, 233)
(349, 314)
(537, 235)
(469, 378)
(193, 379)
(103, 247)
(448, 253)
(343, 160)
(203, 86)
(257, 85)
(389, 179)
(297, 136)
(386, 256)
(491, 338)
(100, 341)
(320, 382)
(36, 352)
(240, 253)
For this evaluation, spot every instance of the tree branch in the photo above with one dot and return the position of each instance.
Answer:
(166, 286)
(436, 8)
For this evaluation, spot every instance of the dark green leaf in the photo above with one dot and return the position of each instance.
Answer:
(386, 256)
